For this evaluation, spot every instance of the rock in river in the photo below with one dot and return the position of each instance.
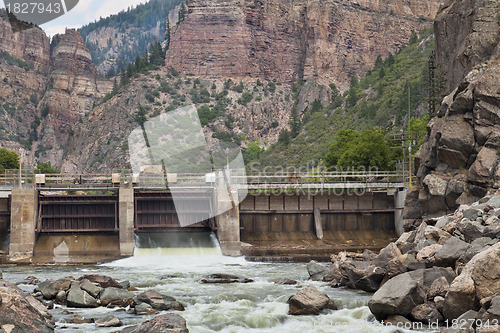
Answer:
(224, 278)
(167, 323)
(310, 301)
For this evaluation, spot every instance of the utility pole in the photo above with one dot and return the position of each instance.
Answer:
(409, 131)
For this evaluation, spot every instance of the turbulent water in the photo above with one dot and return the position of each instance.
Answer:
(233, 308)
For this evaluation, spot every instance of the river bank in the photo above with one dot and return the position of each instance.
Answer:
(443, 272)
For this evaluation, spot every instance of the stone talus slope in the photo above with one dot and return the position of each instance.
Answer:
(325, 41)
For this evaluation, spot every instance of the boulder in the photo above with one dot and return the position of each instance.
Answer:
(395, 267)
(426, 313)
(438, 288)
(287, 281)
(439, 301)
(443, 221)
(428, 251)
(451, 250)
(167, 323)
(157, 301)
(333, 274)
(144, 309)
(362, 275)
(480, 278)
(385, 255)
(116, 296)
(472, 213)
(22, 311)
(494, 201)
(316, 270)
(398, 296)
(61, 297)
(309, 301)
(50, 288)
(77, 319)
(224, 278)
(493, 311)
(476, 247)
(102, 280)
(108, 321)
(32, 280)
(79, 298)
(91, 288)
(470, 231)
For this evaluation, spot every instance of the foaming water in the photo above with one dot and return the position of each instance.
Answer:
(257, 307)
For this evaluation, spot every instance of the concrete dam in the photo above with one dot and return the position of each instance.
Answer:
(57, 221)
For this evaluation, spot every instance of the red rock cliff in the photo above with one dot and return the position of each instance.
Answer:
(327, 41)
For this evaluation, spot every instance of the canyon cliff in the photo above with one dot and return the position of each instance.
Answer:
(458, 162)
(285, 41)
(46, 88)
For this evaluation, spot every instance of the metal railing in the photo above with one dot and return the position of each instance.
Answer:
(326, 180)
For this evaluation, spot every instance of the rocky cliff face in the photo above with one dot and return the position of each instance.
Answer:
(459, 160)
(45, 89)
(467, 34)
(282, 41)
(31, 45)
(74, 88)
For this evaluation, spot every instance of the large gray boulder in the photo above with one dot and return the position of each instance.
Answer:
(362, 275)
(90, 287)
(426, 313)
(102, 280)
(108, 321)
(79, 298)
(310, 301)
(157, 301)
(385, 255)
(50, 288)
(316, 270)
(451, 250)
(167, 323)
(116, 296)
(398, 296)
(479, 279)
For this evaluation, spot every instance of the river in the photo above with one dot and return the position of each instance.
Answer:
(232, 308)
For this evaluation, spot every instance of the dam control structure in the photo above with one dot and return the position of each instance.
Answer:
(94, 218)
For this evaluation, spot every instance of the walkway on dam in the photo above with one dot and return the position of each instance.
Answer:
(369, 180)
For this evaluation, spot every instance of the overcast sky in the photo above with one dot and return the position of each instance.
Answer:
(86, 11)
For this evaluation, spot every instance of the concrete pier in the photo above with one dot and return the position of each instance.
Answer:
(126, 221)
(24, 206)
(228, 219)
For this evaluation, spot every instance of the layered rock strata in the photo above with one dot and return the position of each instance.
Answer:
(282, 41)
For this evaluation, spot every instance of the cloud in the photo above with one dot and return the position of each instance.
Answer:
(85, 12)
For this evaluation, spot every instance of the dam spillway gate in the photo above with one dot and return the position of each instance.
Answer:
(338, 216)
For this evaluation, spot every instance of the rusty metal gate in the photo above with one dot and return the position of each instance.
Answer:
(77, 213)
(155, 210)
(4, 213)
